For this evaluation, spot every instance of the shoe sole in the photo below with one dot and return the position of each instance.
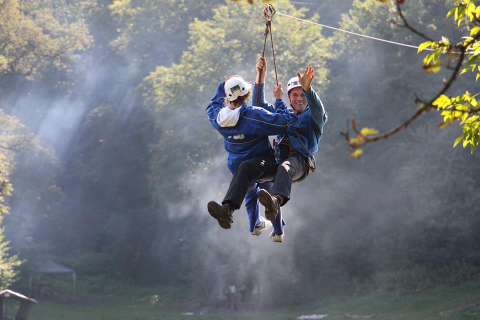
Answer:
(266, 200)
(216, 212)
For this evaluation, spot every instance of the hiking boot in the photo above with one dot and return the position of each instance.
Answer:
(270, 203)
(276, 237)
(262, 226)
(223, 213)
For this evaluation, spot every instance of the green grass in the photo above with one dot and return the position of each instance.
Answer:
(457, 303)
(50, 311)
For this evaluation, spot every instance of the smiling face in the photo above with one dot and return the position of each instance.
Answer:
(297, 100)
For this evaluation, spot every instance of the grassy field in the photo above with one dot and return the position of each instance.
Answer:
(453, 303)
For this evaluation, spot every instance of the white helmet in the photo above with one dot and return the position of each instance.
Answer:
(236, 87)
(293, 83)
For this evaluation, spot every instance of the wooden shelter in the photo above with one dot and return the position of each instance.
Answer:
(26, 305)
(49, 266)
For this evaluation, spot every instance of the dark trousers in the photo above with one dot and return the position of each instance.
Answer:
(265, 169)
(256, 169)
(294, 169)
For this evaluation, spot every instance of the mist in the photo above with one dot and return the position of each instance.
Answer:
(125, 161)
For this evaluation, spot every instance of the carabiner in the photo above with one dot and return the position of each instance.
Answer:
(268, 12)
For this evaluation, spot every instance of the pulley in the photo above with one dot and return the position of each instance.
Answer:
(268, 12)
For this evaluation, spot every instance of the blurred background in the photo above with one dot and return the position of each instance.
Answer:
(108, 161)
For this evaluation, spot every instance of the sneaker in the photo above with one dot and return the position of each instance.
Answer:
(222, 213)
(262, 226)
(276, 237)
(270, 203)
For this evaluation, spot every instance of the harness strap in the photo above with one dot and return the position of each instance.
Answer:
(312, 163)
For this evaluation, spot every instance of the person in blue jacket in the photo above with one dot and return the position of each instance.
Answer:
(296, 148)
(294, 151)
(255, 124)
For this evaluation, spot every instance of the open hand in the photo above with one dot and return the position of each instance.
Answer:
(307, 78)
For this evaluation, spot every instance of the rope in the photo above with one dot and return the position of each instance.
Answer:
(354, 33)
(267, 27)
(268, 13)
(273, 53)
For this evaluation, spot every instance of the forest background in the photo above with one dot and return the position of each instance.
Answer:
(108, 159)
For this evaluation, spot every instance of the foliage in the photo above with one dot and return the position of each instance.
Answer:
(462, 108)
(14, 136)
(8, 263)
(453, 109)
(393, 68)
(148, 31)
(34, 43)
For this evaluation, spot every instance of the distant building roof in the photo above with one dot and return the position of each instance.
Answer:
(16, 296)
(48, 266)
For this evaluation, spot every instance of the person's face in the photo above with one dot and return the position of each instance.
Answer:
(297, 100)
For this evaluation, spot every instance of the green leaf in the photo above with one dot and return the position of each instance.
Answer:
(475, 30)
(368, 131)
(423, 46)
(457, 141)
(450, 13)
(441, 101)
(473, 102)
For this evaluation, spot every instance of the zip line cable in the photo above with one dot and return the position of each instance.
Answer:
(352, 33)
(471, 51)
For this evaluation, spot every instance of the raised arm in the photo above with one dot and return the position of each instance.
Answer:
(280, 106)
(258, 121)
(217, 103)
(316, 107)
(258, 93)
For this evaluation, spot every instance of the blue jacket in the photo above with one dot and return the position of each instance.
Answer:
(309, 124)
(246, 133)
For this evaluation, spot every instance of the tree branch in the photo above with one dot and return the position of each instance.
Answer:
(11, 148)
(427, 106)
(408, 26)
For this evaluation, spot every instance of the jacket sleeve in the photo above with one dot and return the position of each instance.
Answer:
(258, 97)
(316, 108)
(216, 104)
(280, 106)
(258, 121)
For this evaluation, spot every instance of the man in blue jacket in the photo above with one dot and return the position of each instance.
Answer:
(294, 151)
(297, 147)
